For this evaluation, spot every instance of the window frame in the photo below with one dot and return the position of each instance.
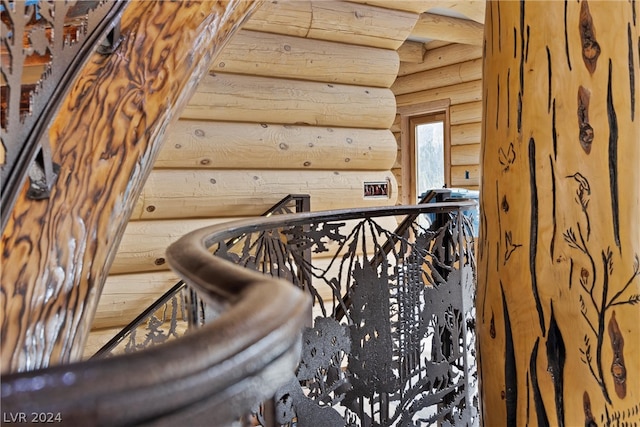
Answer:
(410, 116)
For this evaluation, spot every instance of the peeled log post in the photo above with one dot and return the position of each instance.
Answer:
(558, 311)
(56, 253)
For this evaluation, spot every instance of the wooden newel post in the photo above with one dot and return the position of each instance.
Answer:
(559, 253)
(56, 253)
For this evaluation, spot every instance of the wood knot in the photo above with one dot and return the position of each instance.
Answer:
(205, 162)
(199, 132)
(151, 208)
(159, 261)
(586, 131)
(590, 46)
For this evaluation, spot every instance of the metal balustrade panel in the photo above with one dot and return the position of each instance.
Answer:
(403, 353)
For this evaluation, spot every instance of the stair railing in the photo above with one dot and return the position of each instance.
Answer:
(211, 376)
(404, 351)
(181, 308)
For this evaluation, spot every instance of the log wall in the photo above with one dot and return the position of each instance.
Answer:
(299, 101)
(450, 72)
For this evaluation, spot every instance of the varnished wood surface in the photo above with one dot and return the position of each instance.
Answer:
(195, 144)
(288, 57)
(559, 253)
(342, 22)
(56, 252)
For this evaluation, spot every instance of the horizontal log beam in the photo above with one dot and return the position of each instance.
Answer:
(468, 133)
(416, 6)
(144, 243)
(470, 112)
(444, 76)
(220, 193)
(446, 28)
(125, 296)
(343, 22)
(276, 55)
(233, 97)
(465, 176)
(468, 154)
(457, 94)
(441, 57)
(472, 9)
(238, 145)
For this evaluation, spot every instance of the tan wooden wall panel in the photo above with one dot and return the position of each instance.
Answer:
(468, 133)
(468, 154)
(438, 77)
(124, 295)
(275, 55)
(233, 97)
(441, 57)
(452, 73)
(458, 94)
(194, 144)
(350, 23)
(144, 243)
(464, 176)
(470, 112)
(360, 24)
(224, 193)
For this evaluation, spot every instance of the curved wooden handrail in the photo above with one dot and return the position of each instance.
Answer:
(216, 373)
(211, 235)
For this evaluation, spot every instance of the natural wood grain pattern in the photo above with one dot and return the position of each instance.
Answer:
(468, 133)
(227, 145)
(458, 94)
(411, 51)
(125, 296)
(559, 251)
(441, 57)
(465, 176)
(470, 112)
(468, 154)
(276, 55)
(144, 242)
(232, 97)
(438, 77)
(343, 22)
(56, 252)
(377, 27)
(472, 9)
(450, 29)
(220, 193)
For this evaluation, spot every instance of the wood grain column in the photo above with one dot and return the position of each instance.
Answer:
(559, 270)
(56, 253)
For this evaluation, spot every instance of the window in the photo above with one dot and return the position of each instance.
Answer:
(425, 149)
(428, 152)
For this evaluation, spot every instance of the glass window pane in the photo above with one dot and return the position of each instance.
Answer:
(429, 157)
